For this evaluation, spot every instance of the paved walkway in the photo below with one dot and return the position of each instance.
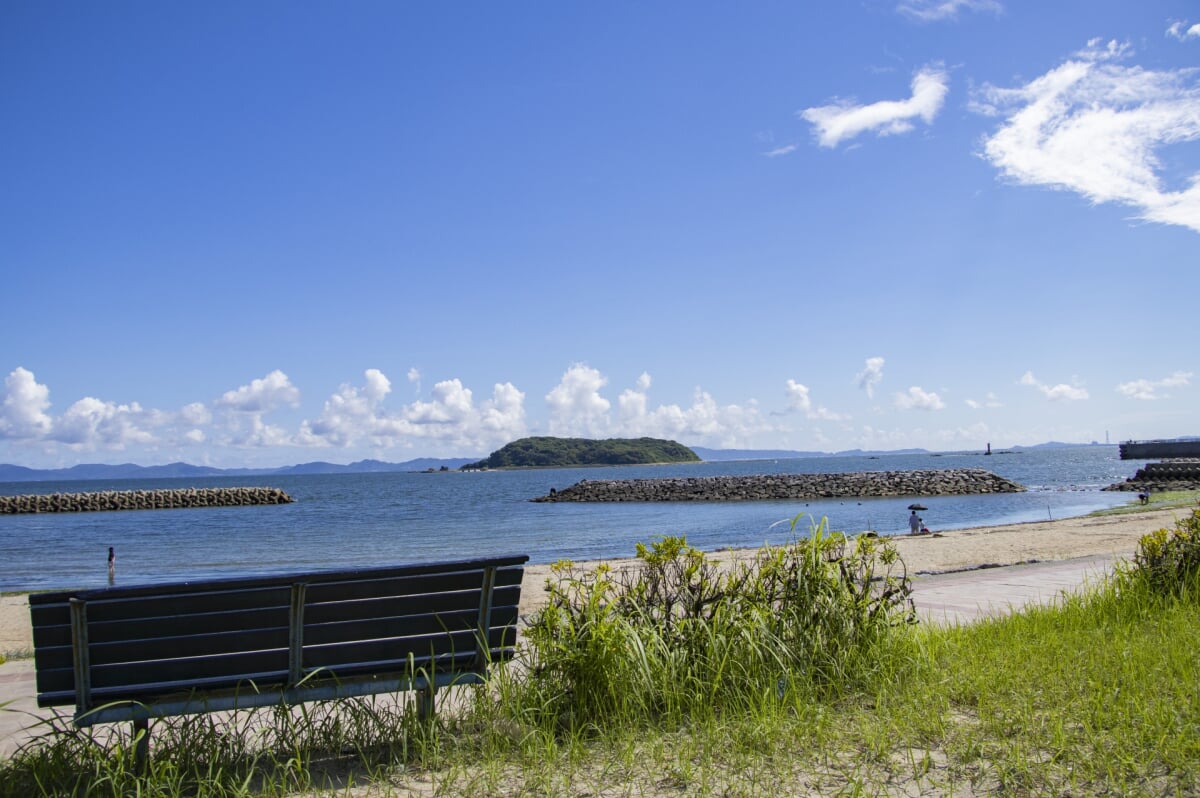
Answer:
(964, 596)
(959, 597)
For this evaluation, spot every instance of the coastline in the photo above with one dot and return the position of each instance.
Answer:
(961, 549)
(957, 550)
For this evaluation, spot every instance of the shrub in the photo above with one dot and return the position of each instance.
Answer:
(677, 634)
(1169, 560)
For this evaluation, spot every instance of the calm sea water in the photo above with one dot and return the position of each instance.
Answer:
(383, 519)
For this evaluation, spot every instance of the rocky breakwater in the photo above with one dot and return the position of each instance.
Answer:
(140, 500)
(765, 487)
(1177, 474)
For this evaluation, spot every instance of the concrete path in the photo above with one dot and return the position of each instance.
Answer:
(959, 597)
(965, 596)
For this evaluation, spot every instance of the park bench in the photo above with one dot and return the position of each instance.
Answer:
(136, 653)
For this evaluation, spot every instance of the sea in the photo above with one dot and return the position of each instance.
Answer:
(362, 520)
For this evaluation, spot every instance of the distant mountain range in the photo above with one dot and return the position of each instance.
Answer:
(14, 473)
(99, 471)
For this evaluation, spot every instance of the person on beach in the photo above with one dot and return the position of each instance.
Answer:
(914, 523)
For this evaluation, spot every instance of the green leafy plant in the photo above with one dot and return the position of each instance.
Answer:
(1169, 560)
(679, 635)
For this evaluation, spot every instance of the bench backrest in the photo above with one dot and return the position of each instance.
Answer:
(287, 633)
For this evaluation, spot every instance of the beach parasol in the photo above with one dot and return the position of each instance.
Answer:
(917, 507)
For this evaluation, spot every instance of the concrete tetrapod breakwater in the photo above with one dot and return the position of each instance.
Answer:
(1177, 474)
(949, 482)
(140, 500)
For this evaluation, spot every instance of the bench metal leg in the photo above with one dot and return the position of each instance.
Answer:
(425, 705)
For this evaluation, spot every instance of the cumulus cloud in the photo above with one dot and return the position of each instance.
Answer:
(578, 409)
(1151, 390)
(844, 120)
(87, 424)
(91, 423)
(1182, 32)
(1055, 393)
(357, 415)
(870, 376)
(243, 422)
(23, 411)
(918, 399)
(798, 399)
(260, 396)
(936, 10)
(1094, 126)
(576, 406)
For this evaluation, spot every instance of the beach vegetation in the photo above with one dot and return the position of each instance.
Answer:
(1168, 560)
(675, 635)
(684, 678)
(1163, 500)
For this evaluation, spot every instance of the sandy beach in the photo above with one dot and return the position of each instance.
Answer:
(945, 551)
(963, 549)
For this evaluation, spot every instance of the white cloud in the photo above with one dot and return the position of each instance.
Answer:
(356, 415)
(1151, 390)
(990, 401)
(576, 406)
(23, 411)
(798, 399)
(261, 396)
(1055, 393)
(870, 376)
(784, 150)
(918, 399)
(87, 424)
(243, 423)
(578, 410)
(1093, 126)
(844, 120)
(1181, 31)
(91, 423)
(934, 10)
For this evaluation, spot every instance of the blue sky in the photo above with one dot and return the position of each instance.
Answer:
(266, 233)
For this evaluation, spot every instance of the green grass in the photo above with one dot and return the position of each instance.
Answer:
(1095, 695)
(1166, 500)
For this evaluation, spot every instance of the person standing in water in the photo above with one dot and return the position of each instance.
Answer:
(112, 562)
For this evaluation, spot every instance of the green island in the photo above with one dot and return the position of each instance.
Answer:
(551, 452)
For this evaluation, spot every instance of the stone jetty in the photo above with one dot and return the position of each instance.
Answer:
(140, 500)
(948, 482)
(1177, 474)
